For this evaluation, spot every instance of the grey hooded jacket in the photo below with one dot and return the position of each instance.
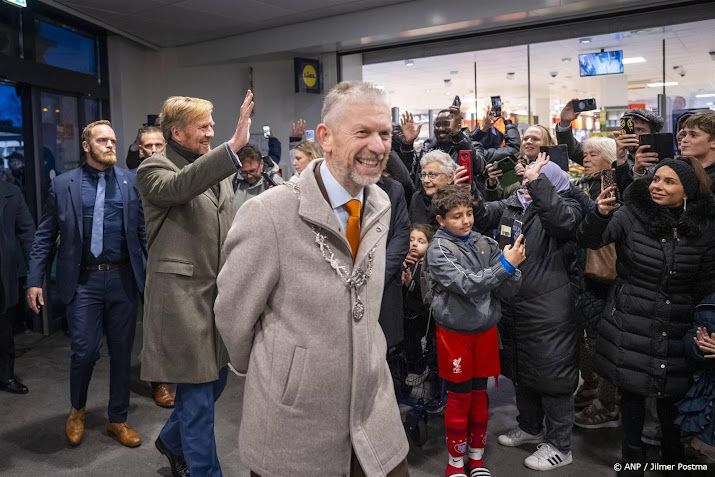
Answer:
(467, 278)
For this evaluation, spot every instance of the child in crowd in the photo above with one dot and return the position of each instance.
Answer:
(697, 409)
(468, 275)
(416, 311)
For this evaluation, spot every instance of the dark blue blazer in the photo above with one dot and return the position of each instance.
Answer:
(63, 217)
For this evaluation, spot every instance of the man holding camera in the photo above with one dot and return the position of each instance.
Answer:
(255, 175)
(188, 204)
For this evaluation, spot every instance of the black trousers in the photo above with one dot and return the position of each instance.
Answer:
(7, 347)
(633, 416)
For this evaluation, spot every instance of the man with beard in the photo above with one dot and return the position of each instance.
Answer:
(302, 320)
(101, 262)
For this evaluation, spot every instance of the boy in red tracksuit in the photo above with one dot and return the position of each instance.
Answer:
(468, 274)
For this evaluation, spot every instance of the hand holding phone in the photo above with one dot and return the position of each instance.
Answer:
(515, 253)
(465, 160)
(496, 106)
(581, 105)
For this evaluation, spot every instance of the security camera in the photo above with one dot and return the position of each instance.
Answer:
(510, 75)
(553, 74)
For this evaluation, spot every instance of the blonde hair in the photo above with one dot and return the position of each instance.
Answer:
(310, 148)
(351, 91)
(546, 140)
(605, 146)
(179, 111)
(87, 131)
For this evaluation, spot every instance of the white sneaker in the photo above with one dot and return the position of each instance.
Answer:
(517, 437)
(547, 457)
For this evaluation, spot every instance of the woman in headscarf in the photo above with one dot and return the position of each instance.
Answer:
(537, 331)
(666, 264)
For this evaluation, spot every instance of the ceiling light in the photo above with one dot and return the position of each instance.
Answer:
(566, 60)
(584, 41)
(705, 95)
(454, 72)
(635, 59)
(409, 62)
(661, 84)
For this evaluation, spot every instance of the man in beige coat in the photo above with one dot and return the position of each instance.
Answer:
(302, 320)
(188, 206)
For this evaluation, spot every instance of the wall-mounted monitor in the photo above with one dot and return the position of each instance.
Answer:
(601, 63)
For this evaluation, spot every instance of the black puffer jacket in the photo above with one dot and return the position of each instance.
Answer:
(666, 264)
(537, 330)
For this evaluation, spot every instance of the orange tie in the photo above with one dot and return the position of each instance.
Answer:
(352, 231)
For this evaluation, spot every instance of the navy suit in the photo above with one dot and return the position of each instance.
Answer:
(100, 299)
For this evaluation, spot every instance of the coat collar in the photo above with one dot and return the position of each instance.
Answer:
(179, 161)
(315, 208)
(659, 221)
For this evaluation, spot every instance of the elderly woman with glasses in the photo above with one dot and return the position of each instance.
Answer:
(438, 171)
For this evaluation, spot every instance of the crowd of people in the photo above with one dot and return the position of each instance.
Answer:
(594, 295)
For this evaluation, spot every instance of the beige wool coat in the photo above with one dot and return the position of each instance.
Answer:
(317, 382)
(186, 226)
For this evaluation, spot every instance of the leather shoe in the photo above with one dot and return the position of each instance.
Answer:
(124, 434)
(74, 429)
(163, 397)
(177, 462)
(13, 386)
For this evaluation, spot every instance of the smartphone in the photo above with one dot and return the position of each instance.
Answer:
(517, 229)
(662, 143)
(266, 131)
(465, 160)
(608, 178)
(506, 164)
(496, 106)
(310, 134)
(628, 125)
(580, 105)
(558, 154)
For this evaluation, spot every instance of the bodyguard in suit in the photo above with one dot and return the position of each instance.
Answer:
(189, 206)
(101, 260)
(16, 226)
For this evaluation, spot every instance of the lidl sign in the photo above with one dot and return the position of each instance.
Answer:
(17, 3)
(307, 74)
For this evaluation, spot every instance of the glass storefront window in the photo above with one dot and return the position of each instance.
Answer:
(59, 137)
(59, 46)
(12, 148)
(9, 31)
(631, 76)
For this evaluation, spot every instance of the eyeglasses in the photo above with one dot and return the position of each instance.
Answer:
(431, 175)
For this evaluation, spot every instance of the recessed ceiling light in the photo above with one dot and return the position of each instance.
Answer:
(409, 62)
(454, 72)
(635, 59)
(705, 95)
(661, 84)
(584, 41)
(566, 60)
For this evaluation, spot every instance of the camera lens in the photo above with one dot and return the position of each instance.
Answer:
(582, 105)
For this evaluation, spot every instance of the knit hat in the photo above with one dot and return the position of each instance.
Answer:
(686, 174)
(655, 121)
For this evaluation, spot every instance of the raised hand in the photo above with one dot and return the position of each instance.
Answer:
(243, 127)
(493, 174)
(532, 173)
(644, 159)
(410, 129)
(568, 114)
(623, 143)
(297, 128)
(606, 201)
(461, 176)
(516, 254)
(489, 119)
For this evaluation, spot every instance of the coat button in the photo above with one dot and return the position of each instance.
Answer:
(662, 240)
(667, 302)
(665, 333)
(379, 229)
(662, 366)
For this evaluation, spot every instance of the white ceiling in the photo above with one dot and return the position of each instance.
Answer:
(421, 87)
(169, 23)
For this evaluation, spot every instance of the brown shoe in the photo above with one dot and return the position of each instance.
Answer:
(124, 434)
(74, 428)
(163, 397)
